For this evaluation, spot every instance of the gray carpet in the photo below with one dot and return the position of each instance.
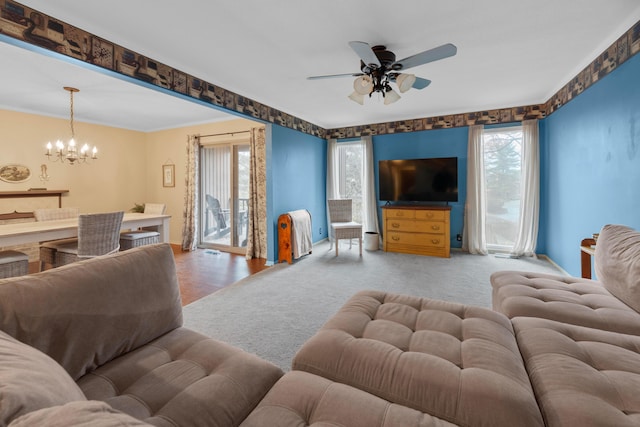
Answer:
(274, 312)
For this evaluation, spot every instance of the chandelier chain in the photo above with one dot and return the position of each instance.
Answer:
(73, 133)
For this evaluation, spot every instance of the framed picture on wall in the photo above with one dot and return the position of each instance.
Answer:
(14, 173)
(168, 175)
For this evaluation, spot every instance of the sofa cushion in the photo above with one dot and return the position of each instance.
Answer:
(89, 312)
(581, 376)
(303, 399)
(566, 299)
(445, 359)
(78, 414)
(30, 380)
(617, 263)
(183, 379)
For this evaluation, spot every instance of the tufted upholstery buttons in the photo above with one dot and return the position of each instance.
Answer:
(445, 359)
(567, 299)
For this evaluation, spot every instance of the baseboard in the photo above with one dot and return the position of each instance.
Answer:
(320, 241)
(552, 262)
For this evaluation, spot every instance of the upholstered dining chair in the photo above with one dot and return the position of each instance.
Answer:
(98, 234)
(48, 254)
(146, 235)
(342, 224)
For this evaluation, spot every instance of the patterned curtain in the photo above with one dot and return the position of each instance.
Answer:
(191, 195)
(257, 232)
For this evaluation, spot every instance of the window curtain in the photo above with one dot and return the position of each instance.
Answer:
(257, 228)
(474, 232)
(369, 202)
(527, 236)
(191, 195)
(333, 191)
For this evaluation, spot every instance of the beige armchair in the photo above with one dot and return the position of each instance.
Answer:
(342, 224)
(98, 234)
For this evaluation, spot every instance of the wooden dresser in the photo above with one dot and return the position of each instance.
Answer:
(421, 230)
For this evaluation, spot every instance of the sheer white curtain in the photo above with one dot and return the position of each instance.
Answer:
(527, 237)
(369, 201)
(191, 195)
(474, 232)
(333, 191)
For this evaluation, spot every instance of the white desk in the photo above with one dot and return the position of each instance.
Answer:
(33, 232)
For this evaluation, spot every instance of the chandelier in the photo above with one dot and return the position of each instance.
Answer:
(70, 153)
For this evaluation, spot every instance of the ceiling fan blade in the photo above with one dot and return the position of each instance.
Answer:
(435, 54)
(331, 76)
(366, 54)
(421, 83)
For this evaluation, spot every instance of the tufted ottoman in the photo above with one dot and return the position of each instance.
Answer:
(455, 362)
(566, 299)
(582, 377)
(303, 399)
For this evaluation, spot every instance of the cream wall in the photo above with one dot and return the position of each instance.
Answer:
(169, 146)
(112, 182)
(128, 170)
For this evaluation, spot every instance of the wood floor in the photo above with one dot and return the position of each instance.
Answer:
(203, 272)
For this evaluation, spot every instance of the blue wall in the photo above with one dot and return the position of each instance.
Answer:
(433, 143)
(589, 160)
(296, 173)
(591, 165)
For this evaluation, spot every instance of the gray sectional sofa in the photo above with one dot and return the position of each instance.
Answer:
(110, 330)
(100, 343)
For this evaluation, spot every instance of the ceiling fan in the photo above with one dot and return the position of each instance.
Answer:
(379, 68)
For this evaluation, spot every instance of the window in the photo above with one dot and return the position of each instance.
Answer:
(503, 165)
(350, 175)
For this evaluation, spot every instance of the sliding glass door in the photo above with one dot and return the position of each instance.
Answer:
(224, 177)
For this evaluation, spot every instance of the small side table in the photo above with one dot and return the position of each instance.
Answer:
(587, 250)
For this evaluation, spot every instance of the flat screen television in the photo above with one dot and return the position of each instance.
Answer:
(419, 180)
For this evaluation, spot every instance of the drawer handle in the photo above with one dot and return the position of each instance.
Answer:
(435, 227)
(395, 238)
(395, 225)
(399, 213)
(429, 214)
(435, 241)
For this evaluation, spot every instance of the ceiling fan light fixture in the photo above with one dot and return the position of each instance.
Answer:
(357, 97)
(405, 82)
(363, 85)
(390, 97)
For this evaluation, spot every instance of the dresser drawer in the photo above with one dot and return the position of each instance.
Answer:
(431, 215)
(412, 225)
(401, 213)
(420, 239)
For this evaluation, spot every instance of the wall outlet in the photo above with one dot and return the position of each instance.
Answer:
(459, 237)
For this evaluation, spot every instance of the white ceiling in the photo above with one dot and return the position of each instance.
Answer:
(510, 53)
